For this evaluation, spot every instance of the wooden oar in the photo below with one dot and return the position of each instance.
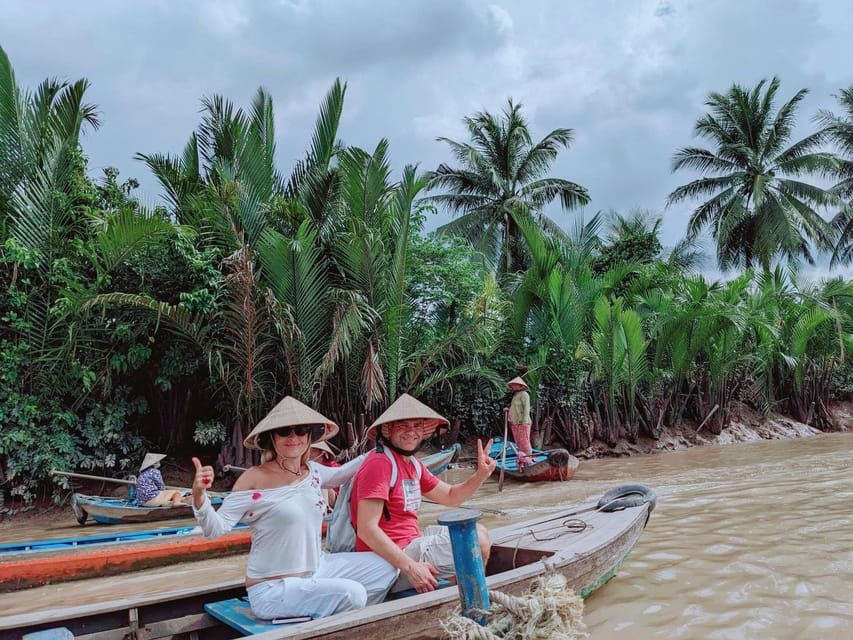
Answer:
(83, 476)
(503, 452)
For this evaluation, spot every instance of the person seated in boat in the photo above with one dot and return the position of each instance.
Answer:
(520, 422)
(385, 514)
(322, 453)
(281, 499)
(150, 489)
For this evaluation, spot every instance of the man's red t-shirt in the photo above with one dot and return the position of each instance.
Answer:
(373, 480)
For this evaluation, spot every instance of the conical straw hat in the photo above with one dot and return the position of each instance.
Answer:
(408, 408)
(290, 413)
(323, 446)
(517, 382)
(150, 460)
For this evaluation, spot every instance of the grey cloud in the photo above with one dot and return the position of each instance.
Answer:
(630, 78)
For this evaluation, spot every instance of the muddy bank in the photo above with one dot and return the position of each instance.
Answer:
(747, 426)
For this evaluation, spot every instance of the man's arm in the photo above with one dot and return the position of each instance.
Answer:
(452, 495)
(421, 575)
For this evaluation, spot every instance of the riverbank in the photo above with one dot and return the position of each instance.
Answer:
(747, 425)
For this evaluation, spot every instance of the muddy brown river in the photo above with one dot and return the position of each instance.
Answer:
(753, 540)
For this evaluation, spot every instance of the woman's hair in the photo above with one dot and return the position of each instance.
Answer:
(265, 442)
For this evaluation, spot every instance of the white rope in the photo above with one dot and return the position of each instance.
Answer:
(549, 611)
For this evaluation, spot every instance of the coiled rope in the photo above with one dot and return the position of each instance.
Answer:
(549, 611)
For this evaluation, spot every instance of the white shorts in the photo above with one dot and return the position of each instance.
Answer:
(433, 547)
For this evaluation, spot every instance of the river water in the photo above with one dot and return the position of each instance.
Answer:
(753, 540)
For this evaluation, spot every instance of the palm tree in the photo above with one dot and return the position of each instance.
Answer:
(839, 129)
(758, 208)
(502, 180)
(41, 170)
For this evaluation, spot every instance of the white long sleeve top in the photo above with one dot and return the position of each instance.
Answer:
(286, 522)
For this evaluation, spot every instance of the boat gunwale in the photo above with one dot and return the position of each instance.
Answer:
(351, 621)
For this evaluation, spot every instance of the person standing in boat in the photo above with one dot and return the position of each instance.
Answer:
(519, 420)
(150, 489)
(287, 573)
(384, 513)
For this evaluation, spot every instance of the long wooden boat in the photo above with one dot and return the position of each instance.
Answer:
(109, 510)
(585, 544)
(34, 563)
(550, 465)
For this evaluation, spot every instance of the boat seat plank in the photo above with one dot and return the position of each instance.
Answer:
(59, 633)
(237, 613)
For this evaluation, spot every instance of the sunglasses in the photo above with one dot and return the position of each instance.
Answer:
(300, 430)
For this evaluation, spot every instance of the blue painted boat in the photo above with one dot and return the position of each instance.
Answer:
(553, 464)
(88, 542)
(440, 460)
(108, 510)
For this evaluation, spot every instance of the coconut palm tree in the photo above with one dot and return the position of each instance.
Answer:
(758, 208)
(839, 129)
(501, 180)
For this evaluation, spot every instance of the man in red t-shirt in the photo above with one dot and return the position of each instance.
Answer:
(385, 518)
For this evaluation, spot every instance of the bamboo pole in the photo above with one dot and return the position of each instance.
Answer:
(83, 476)
(503, 451)
(708, 417)
(233, 467)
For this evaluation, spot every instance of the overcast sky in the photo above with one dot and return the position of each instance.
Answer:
(629, 77)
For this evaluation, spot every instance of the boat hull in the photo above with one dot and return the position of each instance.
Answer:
(35, 568)
(588, 556)
(440, 460)
(548, 466)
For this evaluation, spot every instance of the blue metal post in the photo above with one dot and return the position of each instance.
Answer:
(470, 572)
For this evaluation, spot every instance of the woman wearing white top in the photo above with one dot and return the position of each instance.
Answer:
(288, 574)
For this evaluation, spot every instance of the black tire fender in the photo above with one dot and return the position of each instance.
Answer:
(79, 512)
(626, 496)
(558, 457)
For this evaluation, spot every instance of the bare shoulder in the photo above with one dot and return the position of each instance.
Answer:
(249, 479)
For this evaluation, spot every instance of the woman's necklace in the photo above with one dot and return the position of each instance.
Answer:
(297, 473)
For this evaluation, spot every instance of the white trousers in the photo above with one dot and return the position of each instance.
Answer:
(342, 582)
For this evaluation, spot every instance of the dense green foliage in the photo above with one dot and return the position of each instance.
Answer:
(177, 329)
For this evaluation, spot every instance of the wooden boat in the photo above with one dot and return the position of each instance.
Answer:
(553, 464)
(440, 460)
(583, 542)
(28, 564)
(109, 510)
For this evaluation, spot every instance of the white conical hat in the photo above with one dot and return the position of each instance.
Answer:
(518, 382)
(290, 413)
(323, 446)
(408, 408)
(150, 460)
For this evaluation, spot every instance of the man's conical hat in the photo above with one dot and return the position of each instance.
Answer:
(517, 381)
(290, 413)
(408, 408)
(150, 460)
